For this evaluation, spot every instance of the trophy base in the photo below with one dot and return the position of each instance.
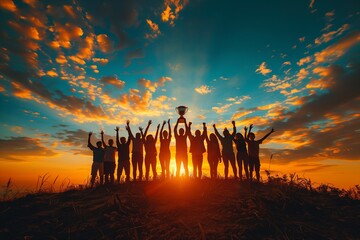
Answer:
(181, 120)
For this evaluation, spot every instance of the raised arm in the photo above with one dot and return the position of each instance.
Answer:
(234, 129)
(147, 128)
(157, 132)
(175, 129)
(205, 135)
(268, 134)
(117, 136)
(245, 132)
(161, 130)
(217, 132)
(102, 138)
(188, 130)
(129, 130)
(89, 142)
(169, 129)
(247, 137)
(127, 127)
(142, 134)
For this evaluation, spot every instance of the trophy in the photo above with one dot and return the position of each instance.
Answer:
(181, 110)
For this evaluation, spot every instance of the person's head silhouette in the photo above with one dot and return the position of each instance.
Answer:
(197, 133)
(165, 134)
(239, 136)
(137, 135)
(150, 138)
(181, 131)
(99, 144)
(226, 132)
(123, 140)
(213, 137)
(111, 142)
(251, 136)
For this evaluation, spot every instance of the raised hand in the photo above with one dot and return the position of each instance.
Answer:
(190, 124)
(117, 128)
(204, 124)
(251, 126)
(102, 132)
(158, 126)
(164, 122)
(140, 128)
(272, 130)
(149, 123)
(233, 122)
(214, 125)
(90, 133)
(245, 128)
(127, 122)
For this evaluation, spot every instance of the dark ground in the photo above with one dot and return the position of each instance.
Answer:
(183, 209)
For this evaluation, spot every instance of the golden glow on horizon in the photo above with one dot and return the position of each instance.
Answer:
(76, 170)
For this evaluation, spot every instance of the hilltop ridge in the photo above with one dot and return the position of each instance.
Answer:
(183, 209)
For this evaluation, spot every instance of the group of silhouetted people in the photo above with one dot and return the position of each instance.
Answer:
(104, 163)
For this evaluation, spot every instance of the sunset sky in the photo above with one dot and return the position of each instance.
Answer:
(70, 67)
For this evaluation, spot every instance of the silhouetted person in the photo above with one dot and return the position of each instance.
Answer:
(123, 154)
(242, 157)
(150, 152)
(109, 159)
(137, 152)
(181, 149)
(227, 149)
(197, 148)
(213, 153)
(164, 155)
(253, 149)
(98, 161)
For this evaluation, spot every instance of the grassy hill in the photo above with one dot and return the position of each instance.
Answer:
(185, 209)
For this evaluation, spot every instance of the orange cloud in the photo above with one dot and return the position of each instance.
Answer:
(70, 11)
(222, 109)
(61, 59)
(77, 60)
(52, 73)
(86, 48)
(32, 3)
(114, 81)
(67, 33)
(102, 61)
(155, 29)
(337, 50)
(30, 32)
(29, 147)
(326, 37)
(152, 86)
(21, 92)
(17, 129)
(295, 101)
(203, 89)
(304, 60)
(263, 69)
(239, 115)
(148, 84)
(172, 10)
(8, 5)
(105, 43)
(302, 74)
